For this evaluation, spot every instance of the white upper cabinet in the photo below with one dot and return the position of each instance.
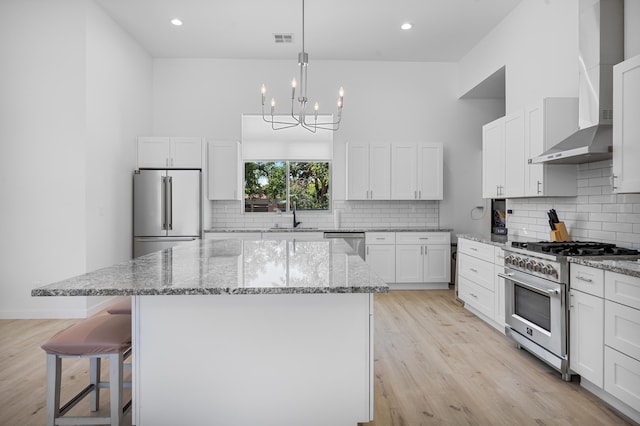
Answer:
(223, 171)
(514, 155)
(493, 159)
(626, 126)
(368, 171)
(416, 171)
(510, 141)
(171, 153)
(546, 123)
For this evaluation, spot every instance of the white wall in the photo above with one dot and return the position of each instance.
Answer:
(383, 102)
(538, 45)
(58, 125)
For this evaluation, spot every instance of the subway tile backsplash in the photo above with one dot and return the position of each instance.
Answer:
(596, 214)
(346, 215)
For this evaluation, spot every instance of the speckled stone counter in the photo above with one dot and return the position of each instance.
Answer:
(303, 229)
(210, 267)
(496, 240)
(628, 266)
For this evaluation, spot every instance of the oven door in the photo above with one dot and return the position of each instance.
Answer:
(535, 308)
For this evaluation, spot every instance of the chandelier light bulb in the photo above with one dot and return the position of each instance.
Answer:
(294, 83)
(273, 102)
(263, 89)
(341, 92)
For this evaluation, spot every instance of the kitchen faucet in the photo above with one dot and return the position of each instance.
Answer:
(295, 224)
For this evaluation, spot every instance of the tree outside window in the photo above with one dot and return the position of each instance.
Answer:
(274, 186)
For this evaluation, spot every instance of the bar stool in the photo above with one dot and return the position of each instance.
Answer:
(102, 336)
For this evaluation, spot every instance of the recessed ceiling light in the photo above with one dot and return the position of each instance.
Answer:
(177, 22)
(406, 26)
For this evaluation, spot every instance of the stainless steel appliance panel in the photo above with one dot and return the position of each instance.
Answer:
(183, 199)
(149, 200)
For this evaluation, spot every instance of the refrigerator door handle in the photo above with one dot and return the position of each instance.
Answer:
(163, 202)
(169, 203)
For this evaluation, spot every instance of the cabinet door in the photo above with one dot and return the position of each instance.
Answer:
(587, 336)
(154, 152)
(514, 155)
(430, 171)
(382, 260)
(409, 263)
(404, 172)
(493, 159)
(186, 153)
(534, 146)
(223, 175)
(380, 172)
(437, 263)
(626, 126)
(357, 171)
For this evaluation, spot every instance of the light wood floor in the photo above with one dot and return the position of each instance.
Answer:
(435, 364)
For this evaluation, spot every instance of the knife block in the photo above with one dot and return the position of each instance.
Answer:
(560, 233)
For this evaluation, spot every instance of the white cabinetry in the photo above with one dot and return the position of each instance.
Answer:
(626, 126)
(510, 141)
(368, 171)
(479, 287)
(605, 335)
(546, 123)
(423, 257)
(586, 335)
(514, 167)
(493, 159)
(416, 171)
(381, 254)
(293, 235)
(223, 171)
(165, 152)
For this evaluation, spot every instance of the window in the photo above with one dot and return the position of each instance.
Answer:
(275, 185)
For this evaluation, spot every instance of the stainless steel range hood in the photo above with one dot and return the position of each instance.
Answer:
(601, 46)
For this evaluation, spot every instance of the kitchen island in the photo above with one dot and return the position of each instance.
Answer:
(235, 332)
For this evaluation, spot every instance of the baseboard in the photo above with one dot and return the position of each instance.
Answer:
(57, 313)
(418, 286)
(612, 401)
(486, 319)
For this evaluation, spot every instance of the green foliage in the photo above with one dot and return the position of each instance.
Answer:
(266, 185)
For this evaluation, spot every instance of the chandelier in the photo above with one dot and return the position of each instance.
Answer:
(300, 117)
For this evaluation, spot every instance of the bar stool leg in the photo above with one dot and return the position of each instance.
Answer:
(115, 388)
(54, 367)
(94, 379)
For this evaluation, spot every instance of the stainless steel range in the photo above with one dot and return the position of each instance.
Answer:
(536, 293)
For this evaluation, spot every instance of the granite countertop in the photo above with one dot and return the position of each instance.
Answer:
(219, 267)
(303, 229)
(627, 265)
(494, 239)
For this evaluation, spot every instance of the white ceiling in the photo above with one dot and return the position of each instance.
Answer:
(444, 30)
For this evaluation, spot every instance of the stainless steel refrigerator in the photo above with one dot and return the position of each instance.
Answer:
(166, 209)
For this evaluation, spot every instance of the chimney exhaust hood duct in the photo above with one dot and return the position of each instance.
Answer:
(601, 46)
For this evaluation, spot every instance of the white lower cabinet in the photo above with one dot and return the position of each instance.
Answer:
(423, 258)
(381, 254)
(479, 286)
(234, 235)
(604, 345)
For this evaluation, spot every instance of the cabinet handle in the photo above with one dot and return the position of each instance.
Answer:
(423, 238)
(425, 250)
(473, 270)
(613, 182)
(473, 295)
(539, 192)
(570, 300)
(473, 248)
(586, 280)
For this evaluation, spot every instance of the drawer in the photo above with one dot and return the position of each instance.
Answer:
(587, 279)
(622, 377)
(380, 238)
(622, 328)
(476, 249)
(476, 270)
(476, 296)
(423, 238)
(622, 288)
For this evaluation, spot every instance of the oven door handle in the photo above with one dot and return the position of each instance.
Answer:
(551, 291)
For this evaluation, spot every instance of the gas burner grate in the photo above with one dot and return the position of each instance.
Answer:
(575, 248)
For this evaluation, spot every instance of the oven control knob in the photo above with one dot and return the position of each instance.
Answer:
(538, 267)
(521, 262)
(528, 264)
(549, 270)
(507, 259)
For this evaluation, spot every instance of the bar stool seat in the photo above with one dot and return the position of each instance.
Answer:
(120, 308)
(102, 336)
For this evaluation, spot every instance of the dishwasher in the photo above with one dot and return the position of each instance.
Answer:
(354, 239)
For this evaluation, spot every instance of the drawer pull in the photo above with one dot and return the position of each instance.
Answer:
(380, 238)
(473, 295)
(586, 280)
(424, 238)
(473, 248)
(473, 270)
